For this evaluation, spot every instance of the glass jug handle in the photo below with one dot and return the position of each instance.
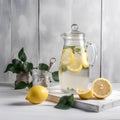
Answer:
(93, 46)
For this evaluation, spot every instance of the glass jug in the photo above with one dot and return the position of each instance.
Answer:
(74, 64)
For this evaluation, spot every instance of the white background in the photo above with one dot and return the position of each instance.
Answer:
(36, 25)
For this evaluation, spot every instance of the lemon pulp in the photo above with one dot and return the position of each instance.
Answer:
(76, 66)
(101, 88)
(85, 93)
(67, 57)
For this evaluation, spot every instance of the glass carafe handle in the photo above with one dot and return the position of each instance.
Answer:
(93, 46)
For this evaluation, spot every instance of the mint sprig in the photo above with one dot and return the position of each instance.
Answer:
(65, 102)
(21, 55)
(45, 67)
(55, 76)
(22, 85)
(20, 65)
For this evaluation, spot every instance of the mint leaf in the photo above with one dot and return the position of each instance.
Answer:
(65, 102)
(10, 67)
(27, 66)
(72, 47)
(30, 85)
(85, 68)
(43, 66)
(64, 68)
(21, 55)
(21, 85)
(16, 61)
(77, 50)
(17, 65)
(55, 76)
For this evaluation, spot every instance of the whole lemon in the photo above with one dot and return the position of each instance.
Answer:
(37, 94)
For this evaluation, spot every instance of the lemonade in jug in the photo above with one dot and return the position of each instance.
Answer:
(74, 64)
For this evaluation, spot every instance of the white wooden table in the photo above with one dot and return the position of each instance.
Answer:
(13, 106)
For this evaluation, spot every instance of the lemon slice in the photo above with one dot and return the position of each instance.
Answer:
(84, 60)
(76, 66)
(60, 69)
(101, 88)
(67, 57)
(85, 94)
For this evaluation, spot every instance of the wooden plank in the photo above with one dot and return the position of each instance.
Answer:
(5, 38)
(86, 13)
(54, 20)
(24, 23)
(92, 105)
(25, 28)
(111, 42)
(56, 17)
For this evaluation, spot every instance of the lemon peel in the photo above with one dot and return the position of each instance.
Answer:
(101, 88)
(84, 60)
(37, 94)
(85, 93)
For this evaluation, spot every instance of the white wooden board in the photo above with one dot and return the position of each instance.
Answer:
(93, 105)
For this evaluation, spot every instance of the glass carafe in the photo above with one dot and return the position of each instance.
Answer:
(74, 64)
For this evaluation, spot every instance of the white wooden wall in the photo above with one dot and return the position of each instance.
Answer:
(18, 28)
(57, 17)
(36, 25)
(5, 37)
(111, 40)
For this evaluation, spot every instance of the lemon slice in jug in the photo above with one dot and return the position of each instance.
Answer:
(67, 57)
(84, 59)
(76, 66)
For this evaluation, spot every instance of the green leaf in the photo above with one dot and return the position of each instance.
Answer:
(85, 68)
(10, 67)
(55, 76)
(17, 65)
(27, 66)
(15, 61)
(21, 55)
(65, 102)
(31, 73)
(64, 68)
(43, 66)
(30, 85)
(72, 47)
(21, 85)
(77, 50)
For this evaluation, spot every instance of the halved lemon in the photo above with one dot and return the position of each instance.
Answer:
(67, 57)
(76, 66)
(101, 88)
(85, 93)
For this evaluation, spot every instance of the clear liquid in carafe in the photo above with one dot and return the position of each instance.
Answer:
(74, 68)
